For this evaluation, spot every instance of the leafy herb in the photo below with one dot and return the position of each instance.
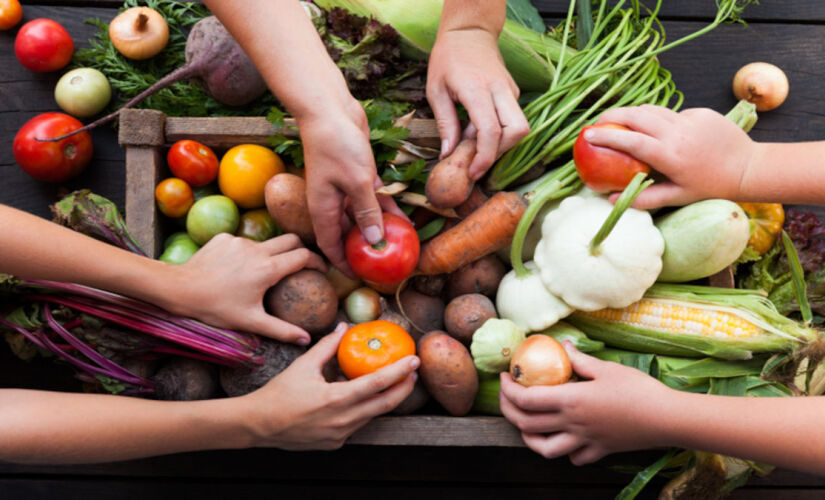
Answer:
(281, 144)
(431, 228)
(406, 173)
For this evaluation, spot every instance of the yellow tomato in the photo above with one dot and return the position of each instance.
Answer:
(244, 172)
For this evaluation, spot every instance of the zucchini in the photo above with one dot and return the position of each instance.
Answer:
(701, 239)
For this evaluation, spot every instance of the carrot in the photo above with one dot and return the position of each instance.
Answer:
(449, 183)
(484, 231)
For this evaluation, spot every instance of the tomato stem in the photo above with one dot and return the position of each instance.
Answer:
(380, 245)
(374, 344)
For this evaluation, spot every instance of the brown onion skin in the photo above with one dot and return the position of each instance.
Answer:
(761, 83)
(540, 360)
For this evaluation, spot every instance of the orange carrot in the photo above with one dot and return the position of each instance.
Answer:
(484, 231)
(449, 183)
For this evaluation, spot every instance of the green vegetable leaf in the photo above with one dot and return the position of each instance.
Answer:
(642, 478)
(114, 386)
(281, 144)
(412, 172)
(431, 228)
(524, 13)
(96, 216)
(735, 386)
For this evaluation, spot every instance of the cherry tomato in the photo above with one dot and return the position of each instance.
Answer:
(605, 170)
(174, 197)
(43, 45)
(10, 14)
(52, 161)
(389, 261)
(193, 162)
(366, 347)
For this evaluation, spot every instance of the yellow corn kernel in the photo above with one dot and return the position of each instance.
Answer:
(670, 317)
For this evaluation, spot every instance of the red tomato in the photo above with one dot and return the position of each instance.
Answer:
(603, 169)
(10, 14)
(52, 161)
(43, 45)
(192, 162)
(389, 261)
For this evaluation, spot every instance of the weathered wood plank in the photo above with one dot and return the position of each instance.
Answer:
(143, 166)
(423, 430)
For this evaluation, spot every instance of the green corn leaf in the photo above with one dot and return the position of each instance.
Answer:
(640, 361)
(735, 386)
(642, 478)
(524, 13)
(798, 277)
(710, 367)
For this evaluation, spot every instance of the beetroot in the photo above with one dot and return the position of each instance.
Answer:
(216, 61)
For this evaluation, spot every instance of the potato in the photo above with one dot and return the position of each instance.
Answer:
(466, 313)
(286, 201)
(447, 372)
(424, 312)
(277, 357)
(431, 285)
(307, 299)
(481, 276)
(449, 183)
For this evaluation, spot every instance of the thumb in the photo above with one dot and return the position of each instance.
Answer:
(583, 365)
(367, 213)
(326, 348)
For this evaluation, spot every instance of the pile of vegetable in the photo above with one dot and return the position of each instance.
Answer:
(487, 280)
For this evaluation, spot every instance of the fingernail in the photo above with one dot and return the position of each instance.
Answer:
(372, 234)
(445, 145)
(303, 341)
(588, 135)
(415, 363)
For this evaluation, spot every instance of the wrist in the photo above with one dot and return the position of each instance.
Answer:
(332, 120)
(749, 172)
(328, 110)
(470, 15)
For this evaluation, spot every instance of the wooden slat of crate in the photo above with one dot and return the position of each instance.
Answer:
(145, 134)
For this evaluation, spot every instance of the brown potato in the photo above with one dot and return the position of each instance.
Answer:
(306, 299)
(449, 184)
(447, 372)
(424, 312)
(431, 285)
(466, 313)
(286, 201)
(481, 276)
(417, 398)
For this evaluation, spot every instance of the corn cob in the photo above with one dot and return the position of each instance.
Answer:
(684, 320)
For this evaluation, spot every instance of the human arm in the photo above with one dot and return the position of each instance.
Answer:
(466, 66)
(296, 410)
(227, 266)
(619, 408)
(705, 155)
(340, 168)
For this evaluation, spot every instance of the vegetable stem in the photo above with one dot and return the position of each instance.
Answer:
(629, 194)
(798, 277)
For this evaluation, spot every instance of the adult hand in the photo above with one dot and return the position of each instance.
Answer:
(615, 410)
(466, 66)
(225, 281)
(341, 177)
(300, 410)
(702, 153)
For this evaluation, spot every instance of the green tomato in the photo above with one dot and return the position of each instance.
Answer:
(210, 216)
(180, 247)
(83, 92)
(175, 237)
(204, 191)
(258, 225)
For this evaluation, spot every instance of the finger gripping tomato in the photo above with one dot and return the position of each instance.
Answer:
(389, 261)
(602, 169)
(366, 347)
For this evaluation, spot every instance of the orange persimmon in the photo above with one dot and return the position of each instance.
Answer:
(366, 347)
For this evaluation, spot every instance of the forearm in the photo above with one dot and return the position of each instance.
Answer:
(472, 14)
(785, 173)
(776, 431)
(51, 427)
(38, 249)
(285, 47)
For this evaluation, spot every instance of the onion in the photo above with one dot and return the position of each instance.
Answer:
(540, 360)
(362, 305)
(763, 84)
(139, 32)
(343, 284)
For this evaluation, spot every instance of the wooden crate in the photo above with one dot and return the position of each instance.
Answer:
(145, 134)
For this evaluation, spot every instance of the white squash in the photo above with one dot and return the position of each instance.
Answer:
(616, 272)
(526, 301)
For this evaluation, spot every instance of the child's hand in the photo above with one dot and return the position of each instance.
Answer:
(300, 410)
(615, 410)
(702, 153)
(224, 283)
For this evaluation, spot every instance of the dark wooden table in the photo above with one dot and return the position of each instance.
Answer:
(788, 33)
